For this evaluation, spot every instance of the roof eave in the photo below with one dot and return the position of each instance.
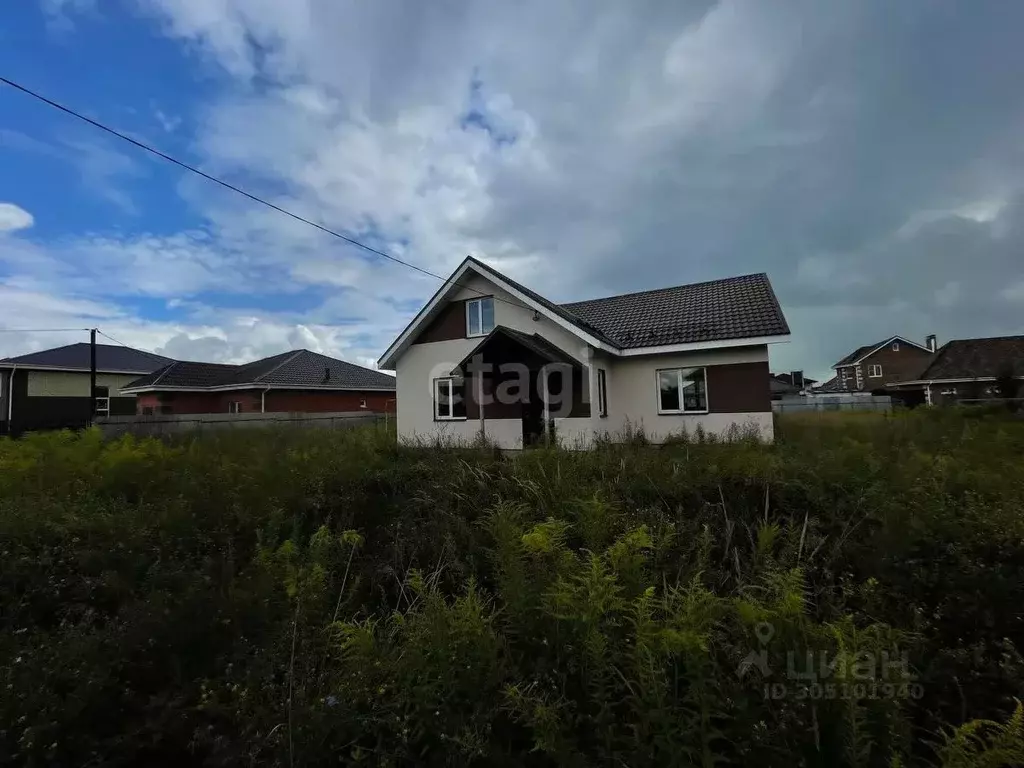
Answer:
(259, 386)
(68, 369)
(696, 346)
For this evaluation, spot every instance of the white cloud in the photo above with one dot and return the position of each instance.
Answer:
(587, 148)
(13, 218)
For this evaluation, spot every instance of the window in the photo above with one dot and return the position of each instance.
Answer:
(362, 403)
(602, 393)
(895, 346)
(479, 316)
(845, 374)
(875, 371)
(234, 407)
(164, 410)
(147, 410)
(682, 390)
(449, 400)
(102, 401)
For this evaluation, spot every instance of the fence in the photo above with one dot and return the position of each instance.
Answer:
(833, 403)
(171, 424)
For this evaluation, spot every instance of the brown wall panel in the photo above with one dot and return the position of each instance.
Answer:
(449, 324)
(739, 388)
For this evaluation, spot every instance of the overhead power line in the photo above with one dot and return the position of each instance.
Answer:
(41, 330)
(239, 190)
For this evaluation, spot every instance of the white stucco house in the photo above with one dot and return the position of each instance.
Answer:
(487, 355)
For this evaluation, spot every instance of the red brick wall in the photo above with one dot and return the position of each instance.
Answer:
(277, 401)
(318, 401)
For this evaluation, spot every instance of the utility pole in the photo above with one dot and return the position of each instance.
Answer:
(92, 375)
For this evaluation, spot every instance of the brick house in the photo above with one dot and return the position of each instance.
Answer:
(968, 370)
(877, 365)
(295, 382)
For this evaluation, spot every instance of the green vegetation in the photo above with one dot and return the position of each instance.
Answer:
(313, 598)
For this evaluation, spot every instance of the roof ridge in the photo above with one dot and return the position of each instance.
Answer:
(282, 363)
(668, 288)
(167, 369)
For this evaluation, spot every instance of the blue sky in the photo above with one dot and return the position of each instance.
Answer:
(865, 155)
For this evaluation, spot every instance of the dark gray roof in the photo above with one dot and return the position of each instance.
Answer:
(76, 356)
(974, 358)
(859, 352)
(717, 310)
(295, 368)
(186, 374)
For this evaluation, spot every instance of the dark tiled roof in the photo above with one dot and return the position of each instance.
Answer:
(108, 358)
(295, 368)
(733, 308)
(186, 374)
(859, 352)
(973, 358)
(305, 367)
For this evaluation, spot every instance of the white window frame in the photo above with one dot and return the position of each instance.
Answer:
(679, 382)
(362, 403)
(235, 406)
(871, 371)
(602, 393)
(103, 402)
(476, 306)
(451, 403)
(895, 346)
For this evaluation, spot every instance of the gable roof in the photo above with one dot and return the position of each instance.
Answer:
(975, 358)
(534, 343)
(861, 352)
(75, 357)
(715, 312)
(297, 368)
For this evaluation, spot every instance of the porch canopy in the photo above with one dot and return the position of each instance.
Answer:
(506, 345)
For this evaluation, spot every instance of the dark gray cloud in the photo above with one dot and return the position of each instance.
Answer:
(863, 153)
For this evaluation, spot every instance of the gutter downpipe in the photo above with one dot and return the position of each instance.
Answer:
(10, 400)
(263, 400)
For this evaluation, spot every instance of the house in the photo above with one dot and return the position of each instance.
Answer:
(792, 384)
(50, 389)
(969, 370)
(298, 381)
(488, 356)
(875, 365)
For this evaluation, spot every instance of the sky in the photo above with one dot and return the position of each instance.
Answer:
(867, 155)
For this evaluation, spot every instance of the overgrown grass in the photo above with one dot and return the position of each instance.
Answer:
(314, 598)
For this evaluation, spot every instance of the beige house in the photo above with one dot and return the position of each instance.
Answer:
(489, 356)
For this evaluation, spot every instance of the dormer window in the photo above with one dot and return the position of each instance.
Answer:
(480, 316)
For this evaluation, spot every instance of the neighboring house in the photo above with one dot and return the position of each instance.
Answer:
(299, 381)
(965, 370)
(791, 384)
(50, 389)
(876, 365)
(487, 355)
